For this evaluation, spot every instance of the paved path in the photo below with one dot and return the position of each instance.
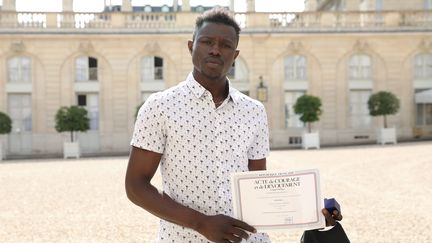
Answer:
(385, 193)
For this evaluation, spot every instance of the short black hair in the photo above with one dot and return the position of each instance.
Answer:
(216, 15)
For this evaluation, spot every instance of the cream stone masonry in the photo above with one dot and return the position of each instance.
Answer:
(118, 41)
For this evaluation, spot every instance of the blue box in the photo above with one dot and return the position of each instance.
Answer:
(331, 204)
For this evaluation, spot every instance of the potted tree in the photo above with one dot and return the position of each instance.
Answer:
(5, 128)
(384, 103)
(71, 119)
(309, 109)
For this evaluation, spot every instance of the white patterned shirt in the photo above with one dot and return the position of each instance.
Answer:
(200, 146)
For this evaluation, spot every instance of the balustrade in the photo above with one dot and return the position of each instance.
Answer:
(300, 21)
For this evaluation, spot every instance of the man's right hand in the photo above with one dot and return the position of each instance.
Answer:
(222, 228)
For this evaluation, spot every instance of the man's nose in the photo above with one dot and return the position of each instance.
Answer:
(214, 49)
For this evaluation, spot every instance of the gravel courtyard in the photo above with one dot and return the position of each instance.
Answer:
(385, 193)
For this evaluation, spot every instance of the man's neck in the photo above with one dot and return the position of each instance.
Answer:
(217, 87)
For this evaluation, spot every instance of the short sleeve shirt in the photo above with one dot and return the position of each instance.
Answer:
(201, 145)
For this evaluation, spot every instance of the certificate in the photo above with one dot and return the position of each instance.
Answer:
(271, 200)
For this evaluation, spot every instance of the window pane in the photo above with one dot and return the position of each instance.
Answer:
(292, 119)
(82, 100)
(158, 68)
(19, 108)
(423, 66)
(93, 62)
(359, 111)
(90, 102)
(147, 69)
(295, 67)
(93, 74)
(19, 69)
(420, 115)
(360, 67)
(428, 114)
(231, 72)
(81, 69)
(145, 96)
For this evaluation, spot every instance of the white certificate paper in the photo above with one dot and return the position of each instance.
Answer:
(272, 200)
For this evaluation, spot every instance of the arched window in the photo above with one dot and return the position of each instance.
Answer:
(295, 68)
(239, 76)
(361, 85)
(152, 69)
(423, 66)
(295, 76)
(238, 72)
(423, 87)
(152, 75)
(360, 67)
(165, 9)
(86, 69)
(147, 9)
(19, 69)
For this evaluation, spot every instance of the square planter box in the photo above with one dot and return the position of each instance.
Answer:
(310, 140)
(1, 150)
(386, 135)
(71, 150)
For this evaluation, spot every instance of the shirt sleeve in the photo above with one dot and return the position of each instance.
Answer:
(260, 147)
(149, 132)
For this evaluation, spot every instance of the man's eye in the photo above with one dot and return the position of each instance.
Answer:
(207, 42)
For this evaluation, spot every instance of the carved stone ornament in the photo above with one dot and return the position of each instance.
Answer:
(426, 45)
(361, 46)
(152, 48)
(86, 47)
(17, 46)
(295, 46)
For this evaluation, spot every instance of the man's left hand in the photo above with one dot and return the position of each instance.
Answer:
(331, 218)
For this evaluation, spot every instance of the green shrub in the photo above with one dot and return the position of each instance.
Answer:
(309, 109)
(383, 103)
(5, 123)
(72, 119)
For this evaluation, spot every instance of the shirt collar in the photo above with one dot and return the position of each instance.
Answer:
(198, 90)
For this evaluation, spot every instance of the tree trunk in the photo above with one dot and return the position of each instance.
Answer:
(385, 121)
(71, 136)
(309, 127)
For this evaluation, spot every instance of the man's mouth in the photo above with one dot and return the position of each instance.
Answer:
(214, 62)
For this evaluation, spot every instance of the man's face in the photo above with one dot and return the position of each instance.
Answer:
(213, 50)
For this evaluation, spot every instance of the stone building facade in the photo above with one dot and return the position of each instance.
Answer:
(109, 62)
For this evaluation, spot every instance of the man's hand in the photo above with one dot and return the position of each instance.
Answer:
(331, 218)
(222, 228)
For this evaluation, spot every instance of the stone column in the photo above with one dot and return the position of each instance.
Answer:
(9, 5)
(231, 5)
(186, 6)
(250, 6)
(67, 5)
(126, 6)
(175, 5)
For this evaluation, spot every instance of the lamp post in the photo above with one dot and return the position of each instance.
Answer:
(262, 91)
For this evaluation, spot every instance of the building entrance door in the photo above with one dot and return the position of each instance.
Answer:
(20, 138)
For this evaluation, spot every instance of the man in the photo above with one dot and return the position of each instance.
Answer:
(199, 132)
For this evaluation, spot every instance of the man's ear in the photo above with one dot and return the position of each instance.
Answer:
(190, 46)
(237, 52)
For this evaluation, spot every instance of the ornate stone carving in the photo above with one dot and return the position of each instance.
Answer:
(295, 46)
(17, 46)
(425, 45)
(86, 47)
(361, 46)
(152, 48)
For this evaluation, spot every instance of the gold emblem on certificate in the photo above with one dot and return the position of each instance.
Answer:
(278, 199)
